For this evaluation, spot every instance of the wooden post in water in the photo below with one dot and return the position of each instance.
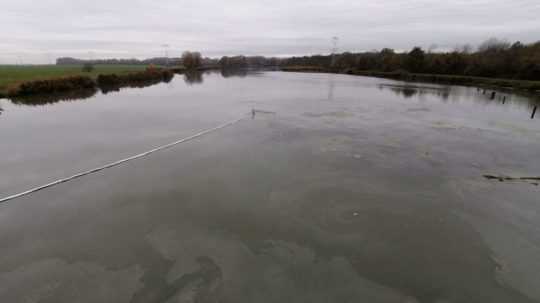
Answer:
(504, 99)
(534, 112)
(493, 95)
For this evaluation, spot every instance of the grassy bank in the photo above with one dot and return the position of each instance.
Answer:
(12, 75)
(443, 79)
(110, 79)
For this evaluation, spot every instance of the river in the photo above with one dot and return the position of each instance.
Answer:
(334, 188)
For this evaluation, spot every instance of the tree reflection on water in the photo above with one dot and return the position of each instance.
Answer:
(193, 77)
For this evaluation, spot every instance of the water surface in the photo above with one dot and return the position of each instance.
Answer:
(339, 189)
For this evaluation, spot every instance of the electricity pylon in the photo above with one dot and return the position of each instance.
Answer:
(335, 49)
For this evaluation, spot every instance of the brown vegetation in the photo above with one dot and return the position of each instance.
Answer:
(43, 99)
(191, 60)
(151, 74)
(52, 86)
(66, 87)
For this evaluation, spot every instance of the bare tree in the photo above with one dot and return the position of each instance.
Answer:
(191, 60)
(494, 44)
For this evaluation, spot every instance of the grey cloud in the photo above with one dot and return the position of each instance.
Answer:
(36, 30)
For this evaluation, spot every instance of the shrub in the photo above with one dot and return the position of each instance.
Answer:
(43, 99)
(52, 86)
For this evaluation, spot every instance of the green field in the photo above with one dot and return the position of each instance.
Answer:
(11, 75)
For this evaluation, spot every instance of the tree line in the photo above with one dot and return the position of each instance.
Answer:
(493, 58)
(154, 61)
(248, 62)
(189, 60)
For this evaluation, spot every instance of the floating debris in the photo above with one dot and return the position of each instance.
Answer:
(337, 114)
(418, 109)
(414, 86)
(254, 112)
(501, 178)
(258, 111)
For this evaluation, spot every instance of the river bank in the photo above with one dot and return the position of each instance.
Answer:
(13, 75)
(31, 81)
(443, 79)
(110, 80)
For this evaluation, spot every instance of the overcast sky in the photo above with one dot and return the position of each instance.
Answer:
(38, 31)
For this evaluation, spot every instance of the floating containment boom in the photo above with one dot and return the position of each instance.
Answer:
(119, 162)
